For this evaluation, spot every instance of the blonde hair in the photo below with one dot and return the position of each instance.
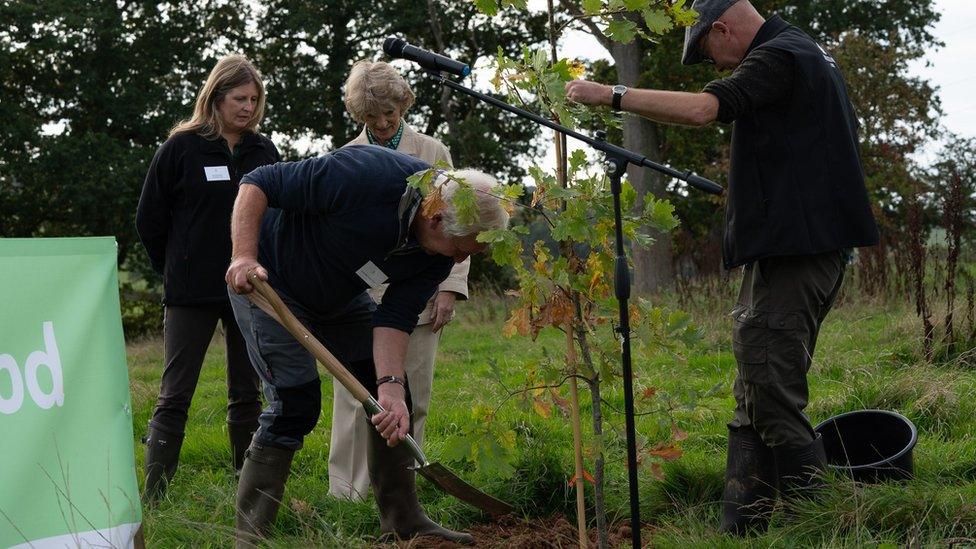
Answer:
(491, 212)
(373, 87)
(230, 72)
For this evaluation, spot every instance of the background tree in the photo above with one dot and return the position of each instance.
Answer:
(109, 80)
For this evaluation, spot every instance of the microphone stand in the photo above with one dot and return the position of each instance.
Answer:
(615, 163)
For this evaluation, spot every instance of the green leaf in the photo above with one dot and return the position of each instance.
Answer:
(658, 21)
(540, 60)
(660, 213)
(466, 205)
(577, 160)
(592, 6)
(513, 192)
(488, 7)
(684, 17)
(637, 5)
(519, 4)
(621, 30)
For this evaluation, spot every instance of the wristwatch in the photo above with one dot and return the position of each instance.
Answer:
(618, 93)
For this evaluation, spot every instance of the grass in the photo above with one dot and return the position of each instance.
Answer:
(867, 356)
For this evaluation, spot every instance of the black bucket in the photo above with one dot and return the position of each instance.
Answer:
(870, 445)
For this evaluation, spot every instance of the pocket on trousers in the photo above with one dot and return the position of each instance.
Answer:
(765, 345)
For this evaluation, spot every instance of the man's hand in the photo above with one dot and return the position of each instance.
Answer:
(236, 276)
(589, 93)
(443, 310)
(394, 423)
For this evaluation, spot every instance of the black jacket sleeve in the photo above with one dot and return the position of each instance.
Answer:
(764, 77)
(154, 212)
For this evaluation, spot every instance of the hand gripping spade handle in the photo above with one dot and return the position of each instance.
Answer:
(268, 301)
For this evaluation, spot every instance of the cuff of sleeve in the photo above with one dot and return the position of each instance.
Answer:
(460, 288)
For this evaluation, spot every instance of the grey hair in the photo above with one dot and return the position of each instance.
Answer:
(491, 214)
(373, 87)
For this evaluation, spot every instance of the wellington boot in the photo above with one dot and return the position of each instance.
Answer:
(240, 434)
(259, 491)
(162, 457)
(800, 469)
(750, 483)
(394, 485)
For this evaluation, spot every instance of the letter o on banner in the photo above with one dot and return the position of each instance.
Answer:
(11, 404)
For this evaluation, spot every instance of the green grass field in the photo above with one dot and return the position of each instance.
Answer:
(867, 357)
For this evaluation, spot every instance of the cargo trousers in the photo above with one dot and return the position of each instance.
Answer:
(782, 303)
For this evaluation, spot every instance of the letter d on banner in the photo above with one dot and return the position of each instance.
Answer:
(68, 479)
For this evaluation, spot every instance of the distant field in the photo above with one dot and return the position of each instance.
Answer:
(867, 357)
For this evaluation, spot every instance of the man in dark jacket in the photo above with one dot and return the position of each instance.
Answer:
(796, 206)
(322, 231)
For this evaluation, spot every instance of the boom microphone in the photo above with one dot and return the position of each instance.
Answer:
(398, 48)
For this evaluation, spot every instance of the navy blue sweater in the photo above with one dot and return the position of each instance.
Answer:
(329, 216)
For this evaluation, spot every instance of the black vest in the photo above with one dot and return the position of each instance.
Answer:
(796, 186)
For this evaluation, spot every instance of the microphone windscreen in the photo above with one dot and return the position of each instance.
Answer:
(393, 46)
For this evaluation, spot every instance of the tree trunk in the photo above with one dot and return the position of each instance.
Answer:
(653, 268)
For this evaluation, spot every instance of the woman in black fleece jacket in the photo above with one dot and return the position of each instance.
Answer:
(183, 220)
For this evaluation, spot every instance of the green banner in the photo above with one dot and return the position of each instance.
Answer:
(67, 470)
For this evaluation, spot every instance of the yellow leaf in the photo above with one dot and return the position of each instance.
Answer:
(544, 409)
(576, 68)
(434, 203)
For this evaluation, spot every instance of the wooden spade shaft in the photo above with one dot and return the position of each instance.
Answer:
(268, 301)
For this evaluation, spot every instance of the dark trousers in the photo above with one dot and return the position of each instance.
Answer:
(291, 381)
(782, 303)
(187, 332)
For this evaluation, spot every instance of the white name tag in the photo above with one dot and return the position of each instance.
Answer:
(216, 173)
(371, 274)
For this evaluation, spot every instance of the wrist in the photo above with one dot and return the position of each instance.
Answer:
(391, 385)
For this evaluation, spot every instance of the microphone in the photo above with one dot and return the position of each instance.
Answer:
(400, 49)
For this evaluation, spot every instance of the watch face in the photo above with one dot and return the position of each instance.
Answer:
(619, 88)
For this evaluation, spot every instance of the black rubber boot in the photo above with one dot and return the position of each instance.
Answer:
(800, 469)
(240, 434)
(162, 457)
(260, 490)
(394, 485)
(750, 483)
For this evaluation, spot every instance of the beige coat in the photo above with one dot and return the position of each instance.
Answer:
(429, 150)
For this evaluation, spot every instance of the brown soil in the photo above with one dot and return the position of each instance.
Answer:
(513, 532)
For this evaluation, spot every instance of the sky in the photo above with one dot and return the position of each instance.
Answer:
(951, 68)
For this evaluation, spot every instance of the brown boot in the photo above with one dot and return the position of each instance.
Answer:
(162, 457)
(394, 485)
(240, 434)
(259, 491)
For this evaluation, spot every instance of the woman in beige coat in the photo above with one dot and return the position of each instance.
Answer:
(377, 97)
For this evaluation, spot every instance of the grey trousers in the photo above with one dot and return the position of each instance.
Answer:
(782, 304)
(292, 387)
(187, 332)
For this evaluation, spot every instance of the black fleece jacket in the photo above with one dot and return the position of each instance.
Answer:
(183, 217)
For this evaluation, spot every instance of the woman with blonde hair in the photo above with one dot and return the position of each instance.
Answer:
(377, 97)
(183, 220)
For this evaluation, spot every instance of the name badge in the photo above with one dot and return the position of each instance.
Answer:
(371, 274)
(216, 173)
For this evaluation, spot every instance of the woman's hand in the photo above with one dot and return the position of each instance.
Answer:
(443, 310)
